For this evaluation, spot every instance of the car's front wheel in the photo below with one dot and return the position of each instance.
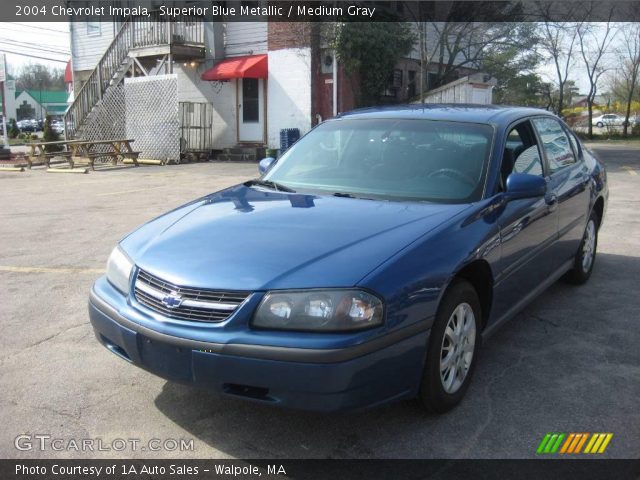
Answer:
(452, 349)
(586, 255)
(599, 124)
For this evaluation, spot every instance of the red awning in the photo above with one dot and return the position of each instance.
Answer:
(68, 77)
(252, 66)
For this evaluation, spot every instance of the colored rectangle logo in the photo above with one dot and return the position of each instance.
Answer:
(574, 443)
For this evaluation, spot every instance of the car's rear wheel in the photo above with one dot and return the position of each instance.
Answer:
(452, 349)
(586, 255)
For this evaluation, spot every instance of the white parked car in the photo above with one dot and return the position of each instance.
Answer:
(608, 119)
(58, 127)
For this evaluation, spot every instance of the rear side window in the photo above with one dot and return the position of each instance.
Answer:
(576, 145)
(555, 143)
(529, 162)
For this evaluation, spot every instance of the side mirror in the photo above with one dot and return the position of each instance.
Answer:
(265, 164)
(523, 185)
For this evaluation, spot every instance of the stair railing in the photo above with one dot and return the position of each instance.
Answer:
(136, 32)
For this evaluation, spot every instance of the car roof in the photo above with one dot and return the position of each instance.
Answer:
(494, 114)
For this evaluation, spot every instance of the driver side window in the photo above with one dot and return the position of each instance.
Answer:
(521, 154)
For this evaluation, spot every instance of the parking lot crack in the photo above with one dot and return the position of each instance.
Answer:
(472, 443)
(44, 340)
(546, 320)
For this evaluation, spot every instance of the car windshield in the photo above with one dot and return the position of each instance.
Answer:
(405, 159)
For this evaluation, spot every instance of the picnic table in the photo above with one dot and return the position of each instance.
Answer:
(39, 154)
(117, 149)
(84, 150)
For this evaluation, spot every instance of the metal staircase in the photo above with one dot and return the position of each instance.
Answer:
(140, 40)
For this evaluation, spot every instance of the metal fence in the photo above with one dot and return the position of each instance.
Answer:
(196, 127)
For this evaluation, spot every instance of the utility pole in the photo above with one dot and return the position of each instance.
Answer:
(5, 140)
(4, 152)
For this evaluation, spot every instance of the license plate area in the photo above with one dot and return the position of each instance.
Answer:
(168, 361)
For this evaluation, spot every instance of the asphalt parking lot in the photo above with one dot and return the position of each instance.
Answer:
(569, 363)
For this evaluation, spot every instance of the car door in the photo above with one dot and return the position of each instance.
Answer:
(569, 181)
(528, 226)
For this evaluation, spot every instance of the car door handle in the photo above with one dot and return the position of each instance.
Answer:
(552, 201)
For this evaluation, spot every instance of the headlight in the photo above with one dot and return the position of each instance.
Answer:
(119, 268)
(319, 310)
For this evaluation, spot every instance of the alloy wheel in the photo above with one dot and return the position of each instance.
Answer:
(589, 245)
(457, 349)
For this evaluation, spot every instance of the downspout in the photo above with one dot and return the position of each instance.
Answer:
(335, 84)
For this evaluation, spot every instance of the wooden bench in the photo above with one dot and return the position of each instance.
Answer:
(132, 156)
(51, 155)
(114, 156)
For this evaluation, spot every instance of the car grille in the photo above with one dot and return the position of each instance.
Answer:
(185, 303)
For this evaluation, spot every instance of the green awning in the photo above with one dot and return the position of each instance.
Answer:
(57, 109)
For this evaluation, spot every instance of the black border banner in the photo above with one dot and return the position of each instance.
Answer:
(545, 469)
(322, 11)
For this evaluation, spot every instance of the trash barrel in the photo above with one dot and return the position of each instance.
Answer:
(288, 136)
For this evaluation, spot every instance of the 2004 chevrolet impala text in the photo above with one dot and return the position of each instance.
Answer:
(365, 265)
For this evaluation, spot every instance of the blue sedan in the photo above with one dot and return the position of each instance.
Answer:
(365, 265)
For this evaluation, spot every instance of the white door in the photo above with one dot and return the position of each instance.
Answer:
(251, 110)
(479, 96)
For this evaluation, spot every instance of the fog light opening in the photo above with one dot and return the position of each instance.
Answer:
(257, 393)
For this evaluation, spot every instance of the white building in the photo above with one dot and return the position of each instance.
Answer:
(241, 81)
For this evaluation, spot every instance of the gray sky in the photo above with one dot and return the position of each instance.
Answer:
(49, 40)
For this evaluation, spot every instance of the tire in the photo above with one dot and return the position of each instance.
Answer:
(442, 387)
(599, 124)
(585, 257)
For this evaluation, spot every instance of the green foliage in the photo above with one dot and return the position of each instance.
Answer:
(50, 135)
(13, 131)
(513, 64)
(371, 51)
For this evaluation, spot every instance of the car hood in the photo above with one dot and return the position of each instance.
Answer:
(249, 238)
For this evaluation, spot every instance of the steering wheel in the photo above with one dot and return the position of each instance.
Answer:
(457, 174)
(328, 147)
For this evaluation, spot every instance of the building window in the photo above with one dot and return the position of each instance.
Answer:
(93, 29)
(326, 66)
(411, 87)
(397, 78)
(250, 100)
(25, 111)
(393, 84)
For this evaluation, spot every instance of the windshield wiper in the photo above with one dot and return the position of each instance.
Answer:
(349, 195)
(278, 187)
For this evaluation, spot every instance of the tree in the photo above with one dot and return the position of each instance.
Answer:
(371, 50)
(462, 40)
(514, 68)
(35, 76)
(628, 75)
(558, 41)
(13, 131)
(50, 135)
(595, 42)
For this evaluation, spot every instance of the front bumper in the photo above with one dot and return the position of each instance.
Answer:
(321, 379)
